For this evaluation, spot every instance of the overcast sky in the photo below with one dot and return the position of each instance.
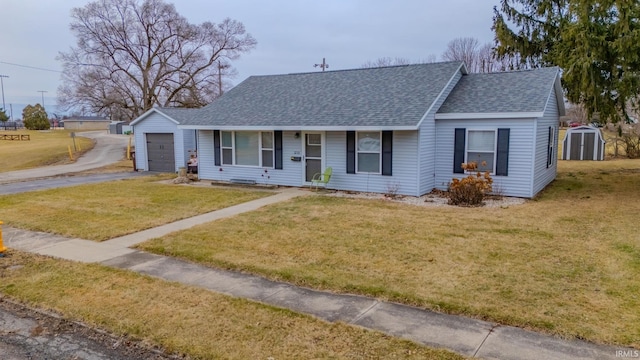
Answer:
(292, 35)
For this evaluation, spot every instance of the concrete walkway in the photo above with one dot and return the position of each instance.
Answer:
(469, 337)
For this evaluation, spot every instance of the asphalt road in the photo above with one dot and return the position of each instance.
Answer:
(63, 181)
(26, 334)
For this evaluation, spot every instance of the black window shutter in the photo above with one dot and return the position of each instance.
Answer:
(549, 148)
(387, 148)
(351, 152)
(458, 151)
(216, 147)
(277, 144)
(502, 156)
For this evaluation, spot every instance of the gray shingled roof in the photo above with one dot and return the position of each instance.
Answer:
(179, 114)
(517, 91)
(86, 118)
(377, 97)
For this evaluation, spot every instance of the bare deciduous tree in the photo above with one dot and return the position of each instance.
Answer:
(131, 55)
(478, 58)
(463, 49)
(577, 113)
(431, 58)
(385, 61)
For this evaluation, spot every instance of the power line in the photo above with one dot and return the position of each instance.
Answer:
(30, 67)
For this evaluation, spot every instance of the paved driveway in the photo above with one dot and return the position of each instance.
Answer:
(108, 150)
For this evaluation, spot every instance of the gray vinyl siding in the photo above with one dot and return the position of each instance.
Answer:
(289, 175)
(518, 182)
(543, 175)
(426, 175)
(156, 123)
(405, 144)
(190, 143)
(335, 156)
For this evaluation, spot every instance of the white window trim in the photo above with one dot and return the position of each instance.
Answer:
(370, 152)
(272, 149)
(260, 149)
(495, 147)
(233, 148)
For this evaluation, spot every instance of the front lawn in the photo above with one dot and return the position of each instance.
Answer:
(196, 322)
(106, 210)
(567, 263)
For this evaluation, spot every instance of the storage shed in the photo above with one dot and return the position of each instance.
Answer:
(116, 127)
(583, 143)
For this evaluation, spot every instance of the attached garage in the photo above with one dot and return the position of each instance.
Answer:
(160, 145)
(160, 152)
(583, 143)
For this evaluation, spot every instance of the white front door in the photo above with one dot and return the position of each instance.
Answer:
(313, 151)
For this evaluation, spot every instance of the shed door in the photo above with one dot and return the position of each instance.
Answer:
(576, 146)
(587, 152)
(160, 153)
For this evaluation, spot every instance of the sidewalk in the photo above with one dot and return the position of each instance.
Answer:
(468, 337)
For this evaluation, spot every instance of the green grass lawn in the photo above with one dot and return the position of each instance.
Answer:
(44, 148)
(567, 263)
(106, 210)
(187, 320)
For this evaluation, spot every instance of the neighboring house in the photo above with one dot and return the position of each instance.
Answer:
(404, 128)
(86, 123)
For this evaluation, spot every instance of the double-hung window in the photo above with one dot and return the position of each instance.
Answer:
(481, 149)
(247, 148)
(368, 151)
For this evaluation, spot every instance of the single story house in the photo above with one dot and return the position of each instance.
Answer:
(86, 123)
(405, 129)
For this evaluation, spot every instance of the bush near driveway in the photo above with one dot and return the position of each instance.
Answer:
(566, 263)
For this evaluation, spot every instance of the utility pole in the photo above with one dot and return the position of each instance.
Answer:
(324, 65)
(220, 67)
(42, 92)
(2, 84)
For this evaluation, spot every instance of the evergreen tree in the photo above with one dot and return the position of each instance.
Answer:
(35, 118)
(3, 116)
(596, 43)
